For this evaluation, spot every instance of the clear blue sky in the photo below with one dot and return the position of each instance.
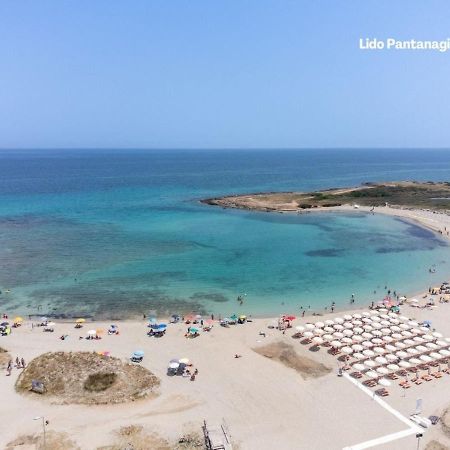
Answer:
(221, 74)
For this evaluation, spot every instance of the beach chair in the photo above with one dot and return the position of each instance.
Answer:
(427, 377)
(437, 374)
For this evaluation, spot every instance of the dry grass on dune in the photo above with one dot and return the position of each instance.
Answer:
(87, 378)
(4, 357)
(445, 422)
(286, 354)
(53, 441)
(436, 445)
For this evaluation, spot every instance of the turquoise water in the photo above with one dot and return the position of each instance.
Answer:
(118, 234)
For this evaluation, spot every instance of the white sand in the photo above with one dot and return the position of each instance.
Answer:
(265, 404)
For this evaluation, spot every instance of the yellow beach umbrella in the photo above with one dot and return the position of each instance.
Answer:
(18, 319)
(99, 331)
(80, 320)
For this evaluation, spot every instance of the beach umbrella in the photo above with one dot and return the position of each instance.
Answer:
(348, 325)
(442, 343)
(421, 348)
(376, 319)
(404, 318)
(317, 324)
(404, 364)
(347, 317)
(91, 333)
(373, 312)
(377, 333)
(413, 323)
(99, 331)
(338, 335)
(406, 334)
(336, 344)
(412, 351)
(18, 319)
(432, 346)
(368, 327)
(408, 342)
(338, 327)
(415, 331)
(415, 361)
(435, 355)
(401, 354)
(437, 335)
(357, 316)
(327, 337)
(367, 344)
(51, 324)
(319, 331)
(318, 340)
(358, 367)
(299, 328)
(310, 326)
(396, 329)
(365, 314)
(425, 358)
(403, 326)
(384, 382)
(371, 374)
(385, 323)
(387, 339)
(377, 341)
(424, 329)
(339, 320)
(193, 330)
(382, 370)
(347, 333)
(357, 338)
(358, 323)
(379, 350)
(393, 367)
(184, 361)
(174, 365)
(391, 357)
(358, 356)
(447, 339)
(368, 353)
(329, 322)
(366, 320)
(391, 348)
(386, 331)
(346, 340)
(400, 345)
(357, 347)
(418, 339)
(367, 335)
(328, 329)
(370, 363)
(442, 352)
(428, 337)
(383, 310)
(394, 321)
(358, 330)
(377, 325)
(138, 353)
(397, 336)
(381, 360)
(347, 350)
(80, 320)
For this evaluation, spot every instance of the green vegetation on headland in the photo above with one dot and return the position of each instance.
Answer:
(409, 194)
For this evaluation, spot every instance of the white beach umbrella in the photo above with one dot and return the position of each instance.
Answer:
(371, 374)
(385, 323)
(357, 347)
(408, 342)
(377, 333)
(444, 353)
(91, 333)
(400, 345)
(368, 353)
(387, 339)
(367, 344)
(394, 321)
(319, 324)
(339, 320)
(413, 323)
(348, 325)
(401, 354)
(396, 329)
(357, 338)
(379, 350)
(358, 356)
(386, 331)
(318, 340)
(391, 314)
(391, 348)
(403, 318)
(425, 358)
(357, 316)
(437, 335)
(442, 343)
(336, 344)
(406, 334)
(435, 355)
(415, 361)
(328, 329)
(432, 345)
(366, 320)
(377, 341)
(376, 319)
(428, 337)
(397, 336)
(347, 350)
(393, 367)
(390, 357)
(310, 326)
(308, 334)
(299, 328)
(365, 314)
(347, 340)
(418, 339)
(318, 331)
(447, 339)
(357, 323)
(373, 312)
(358, 367)
(421, 349)
(412, 351)
(384, 316)
(358, 330)
(370, 363)
(338, 327)
(377, 325)
(403, 326)
(383, 311)
(415, 331)
(327, 337)
(383, 370)
(338, 335)
(368, 327)
(424, 329)
(404, 364)
(347, 333)
(347, 317)
(367, 335)
(329, 322)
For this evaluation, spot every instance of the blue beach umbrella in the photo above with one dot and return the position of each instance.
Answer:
(161, 326)
(138, 353)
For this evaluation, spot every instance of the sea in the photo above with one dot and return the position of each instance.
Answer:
(122, 233)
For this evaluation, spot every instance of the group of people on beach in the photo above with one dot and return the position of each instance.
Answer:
(20, 364)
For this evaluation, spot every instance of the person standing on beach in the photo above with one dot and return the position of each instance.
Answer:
(22, 361)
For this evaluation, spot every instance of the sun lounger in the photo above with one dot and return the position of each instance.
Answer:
(427, 377)
(437, 374)
(382, 392)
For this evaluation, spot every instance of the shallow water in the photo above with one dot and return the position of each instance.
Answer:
(118, 234)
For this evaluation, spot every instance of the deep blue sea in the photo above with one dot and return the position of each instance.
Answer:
(121, 233)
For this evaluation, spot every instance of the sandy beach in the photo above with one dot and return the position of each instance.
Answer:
(263, 402)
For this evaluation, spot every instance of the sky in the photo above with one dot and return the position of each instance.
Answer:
(221, 74)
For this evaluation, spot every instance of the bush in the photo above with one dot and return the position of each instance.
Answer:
(98, 382)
